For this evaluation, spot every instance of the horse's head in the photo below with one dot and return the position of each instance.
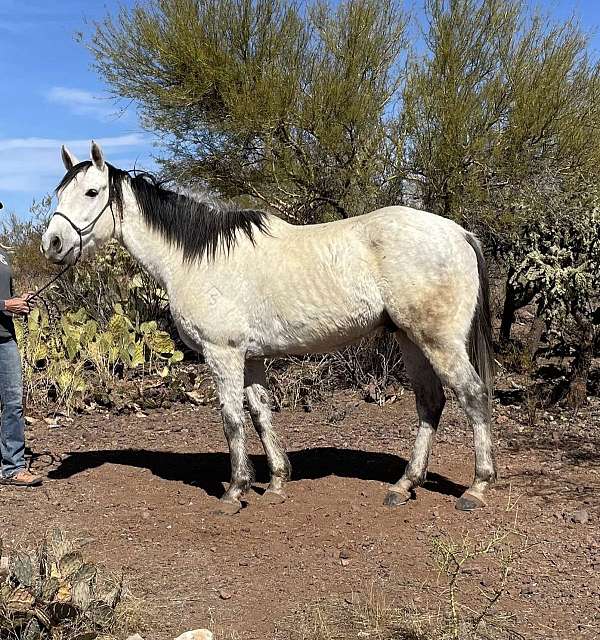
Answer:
(83, 220)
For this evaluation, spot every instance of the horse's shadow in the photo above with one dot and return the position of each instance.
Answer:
(210, 470)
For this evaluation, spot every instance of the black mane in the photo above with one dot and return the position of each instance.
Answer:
(198, 228)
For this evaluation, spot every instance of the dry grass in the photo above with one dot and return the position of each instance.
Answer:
(460, 607)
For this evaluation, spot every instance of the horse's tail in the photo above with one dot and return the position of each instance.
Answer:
(481, 351)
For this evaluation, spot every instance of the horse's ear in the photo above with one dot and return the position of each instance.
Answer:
(97, 156)
(69, 159)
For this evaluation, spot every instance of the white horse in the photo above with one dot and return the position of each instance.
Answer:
(245, 285)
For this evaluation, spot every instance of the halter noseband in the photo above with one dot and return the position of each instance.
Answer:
(84, 231)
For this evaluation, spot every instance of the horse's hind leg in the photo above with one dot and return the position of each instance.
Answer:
(430, 399)
(455, 370)
(259, 405)
(227, 365)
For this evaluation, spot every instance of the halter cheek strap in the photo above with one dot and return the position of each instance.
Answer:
(88, 228)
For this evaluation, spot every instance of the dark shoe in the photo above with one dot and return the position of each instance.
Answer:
(22, 479)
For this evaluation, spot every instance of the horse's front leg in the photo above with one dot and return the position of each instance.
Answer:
(227, 364)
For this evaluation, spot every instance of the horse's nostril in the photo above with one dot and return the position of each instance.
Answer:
(56, 244)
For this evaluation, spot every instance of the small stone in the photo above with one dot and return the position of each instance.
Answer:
(197, 634)
(225, 595)
(580, 517)
(344, 554)
(344, 562)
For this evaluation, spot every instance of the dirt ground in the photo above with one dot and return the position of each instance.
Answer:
(139, 492)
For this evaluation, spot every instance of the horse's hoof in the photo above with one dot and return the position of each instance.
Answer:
(273, 497)
(469, 502)
(228, 508)
(395, 498)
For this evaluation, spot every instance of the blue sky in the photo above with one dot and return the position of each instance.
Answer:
(49, 94)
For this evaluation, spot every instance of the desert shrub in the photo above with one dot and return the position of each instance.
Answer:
(459, 606)
(51, 593)
(373, 365)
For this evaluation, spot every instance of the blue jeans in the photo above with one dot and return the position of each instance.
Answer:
(12, 428)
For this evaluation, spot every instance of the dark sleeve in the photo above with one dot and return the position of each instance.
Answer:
(3, 302)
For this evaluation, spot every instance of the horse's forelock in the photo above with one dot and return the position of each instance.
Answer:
(72, 173)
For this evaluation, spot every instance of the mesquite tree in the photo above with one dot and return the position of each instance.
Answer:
(264, 98)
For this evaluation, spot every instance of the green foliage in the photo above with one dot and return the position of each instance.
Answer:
(556, 257)
(500, 103)
(324, 112)
(265, 99)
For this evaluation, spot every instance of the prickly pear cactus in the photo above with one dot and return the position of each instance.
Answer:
(53, 594)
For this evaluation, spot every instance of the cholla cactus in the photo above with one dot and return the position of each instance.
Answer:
(559, 260)
(52, 593)
(555, 259)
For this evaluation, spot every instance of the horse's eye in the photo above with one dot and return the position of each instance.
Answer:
(91, 193)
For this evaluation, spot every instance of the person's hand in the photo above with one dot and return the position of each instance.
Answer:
(20, 306)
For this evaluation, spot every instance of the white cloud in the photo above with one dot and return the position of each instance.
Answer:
(33, 165)
(80, 102)
(127, 140)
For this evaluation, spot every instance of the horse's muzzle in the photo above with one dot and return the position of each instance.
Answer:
(53, 249)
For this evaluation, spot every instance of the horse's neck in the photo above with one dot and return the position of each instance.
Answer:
(160, 258)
